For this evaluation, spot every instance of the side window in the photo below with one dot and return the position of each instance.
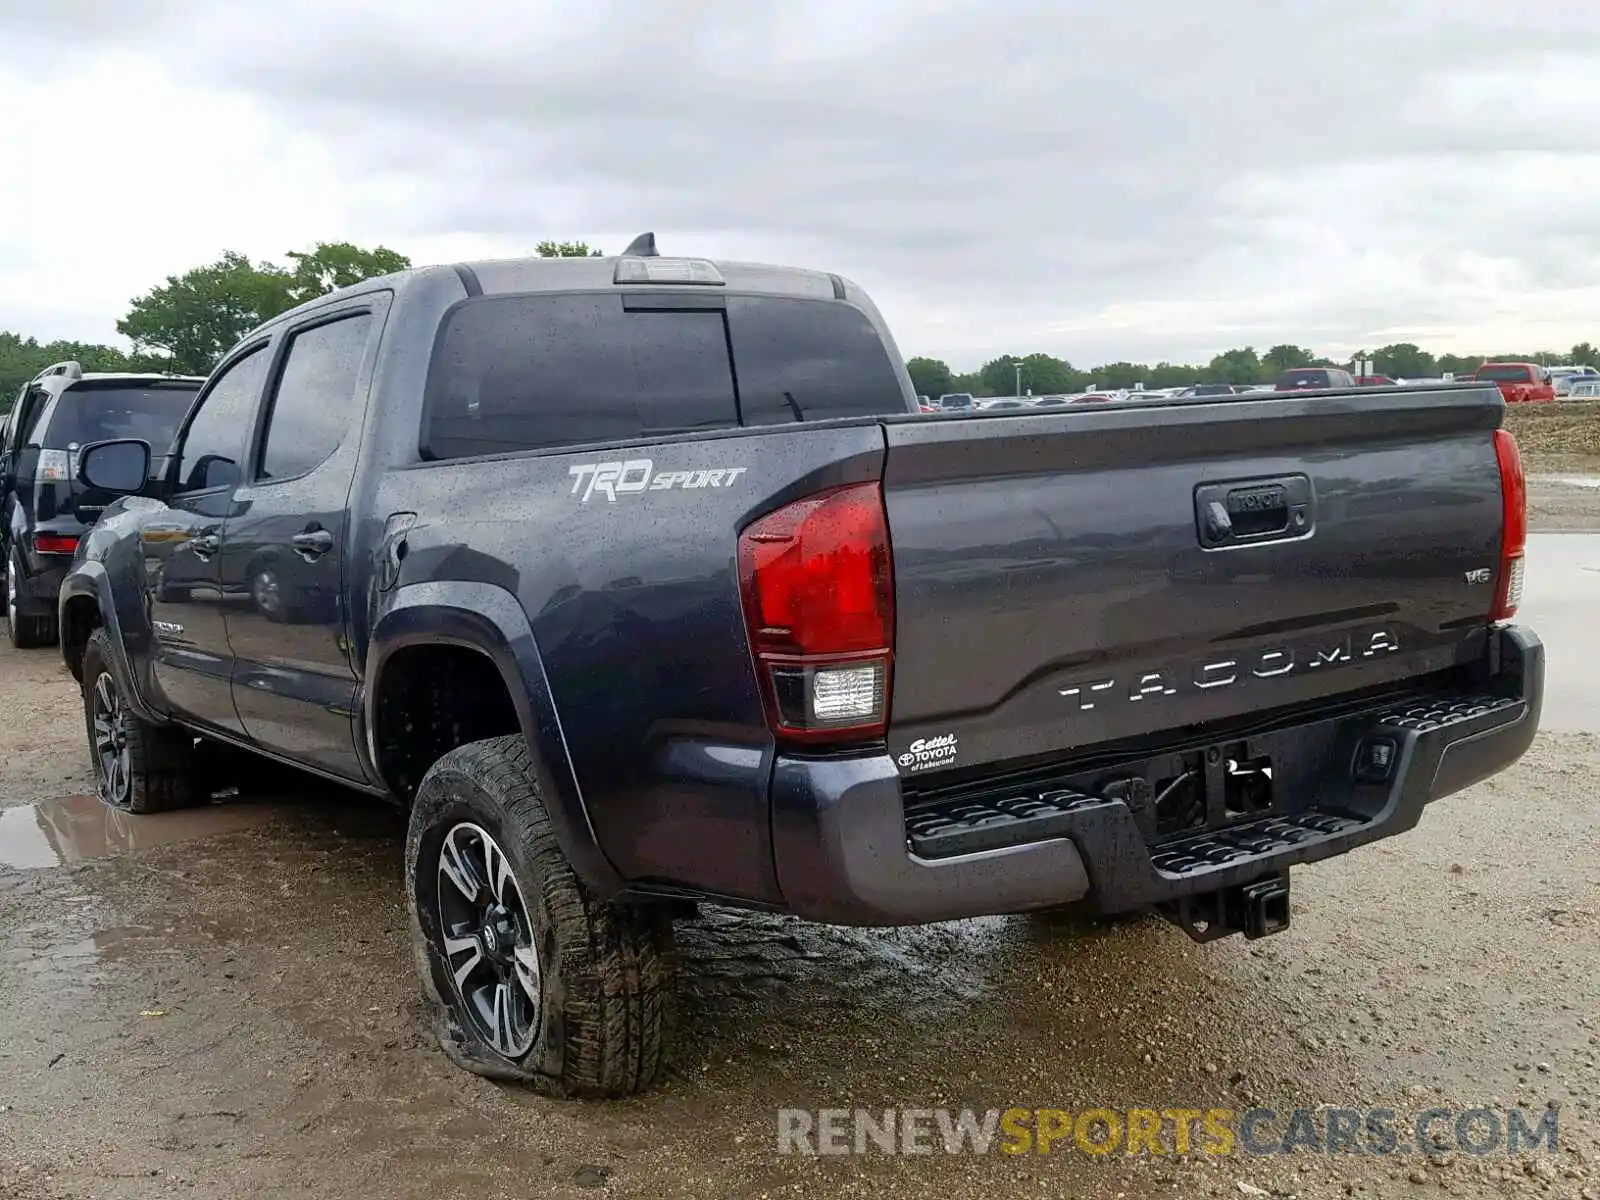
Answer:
(316, 396)
(216, 437)
(525, 372)
(809, 360)
(33, 404)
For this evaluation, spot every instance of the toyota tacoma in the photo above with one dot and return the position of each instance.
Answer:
(641, 581)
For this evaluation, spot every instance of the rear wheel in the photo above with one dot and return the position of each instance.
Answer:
(531, 978)
(140, 767)
(26, 633)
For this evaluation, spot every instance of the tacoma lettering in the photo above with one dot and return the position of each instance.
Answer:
(1264, 664)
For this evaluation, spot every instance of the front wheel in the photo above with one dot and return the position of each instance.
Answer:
(530, 977)
(139, 767)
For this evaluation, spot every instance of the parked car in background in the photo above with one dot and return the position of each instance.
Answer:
(1519, 383)
(1563, 379)
(1583, 389)
(956, 402)
(1313, 377)
(1202, 390)
(44, 509)
(1375, 381)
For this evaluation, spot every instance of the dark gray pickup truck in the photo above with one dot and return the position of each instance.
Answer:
(641, 581)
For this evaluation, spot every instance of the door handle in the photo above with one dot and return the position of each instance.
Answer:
(313, 543)
(205, 545)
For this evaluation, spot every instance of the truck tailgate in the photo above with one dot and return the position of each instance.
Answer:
(1071, 579)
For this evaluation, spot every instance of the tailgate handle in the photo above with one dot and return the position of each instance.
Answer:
(1248, 511)
(1260, 509)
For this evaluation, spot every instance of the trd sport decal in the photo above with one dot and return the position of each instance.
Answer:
(611, 479)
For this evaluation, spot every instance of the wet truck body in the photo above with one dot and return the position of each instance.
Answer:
(870, 669)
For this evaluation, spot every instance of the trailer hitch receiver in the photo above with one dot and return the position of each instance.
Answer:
(1254, 909)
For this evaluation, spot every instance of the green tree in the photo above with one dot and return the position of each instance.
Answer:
(970, 382)
(21, 358)
(1584, 355)
(1043, 375)
(1403, 360)
(1234, 366)
(1121, 375)
(333, 265)
(192, 319)
(930, 376)
(1170, 375)
(1286, 357)
(1459, 364)
(567, 250)
(998, 376)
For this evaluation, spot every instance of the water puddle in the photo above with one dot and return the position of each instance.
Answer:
(77, 828)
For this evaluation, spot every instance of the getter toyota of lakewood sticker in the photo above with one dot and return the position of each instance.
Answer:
(926, 753)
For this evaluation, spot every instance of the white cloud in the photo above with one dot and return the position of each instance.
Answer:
(1107, 179)
(121, 175)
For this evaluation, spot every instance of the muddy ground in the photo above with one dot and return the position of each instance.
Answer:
(1563, 492)
(222, 1005)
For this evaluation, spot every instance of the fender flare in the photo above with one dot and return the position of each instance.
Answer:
(490, 620)
(89, 580)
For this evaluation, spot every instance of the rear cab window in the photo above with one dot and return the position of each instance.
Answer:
(547, 370)
(149, 412)
(809, 360)
(1504, 374)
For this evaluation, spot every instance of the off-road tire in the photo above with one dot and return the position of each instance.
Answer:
(605, 970)
(160, 758)
(26, 633)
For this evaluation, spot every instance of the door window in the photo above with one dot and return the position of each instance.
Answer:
(316, 396)
(216, 437)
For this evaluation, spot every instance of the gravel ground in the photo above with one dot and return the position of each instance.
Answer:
(1563, 492)
(228, 1009)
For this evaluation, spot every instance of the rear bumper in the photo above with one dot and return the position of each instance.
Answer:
(845, 854)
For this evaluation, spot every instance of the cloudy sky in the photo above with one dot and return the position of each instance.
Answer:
(1097, 179)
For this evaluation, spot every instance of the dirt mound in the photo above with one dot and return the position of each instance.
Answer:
(1552, 435)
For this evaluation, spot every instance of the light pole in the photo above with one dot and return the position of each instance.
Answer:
(1018, 366)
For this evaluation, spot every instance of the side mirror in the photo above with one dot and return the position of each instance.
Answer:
(118, 466)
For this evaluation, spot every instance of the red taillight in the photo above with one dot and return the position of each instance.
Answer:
(1513, 526)
(819, 608)
(54, 543)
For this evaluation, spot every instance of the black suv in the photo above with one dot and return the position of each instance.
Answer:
(43, 507)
